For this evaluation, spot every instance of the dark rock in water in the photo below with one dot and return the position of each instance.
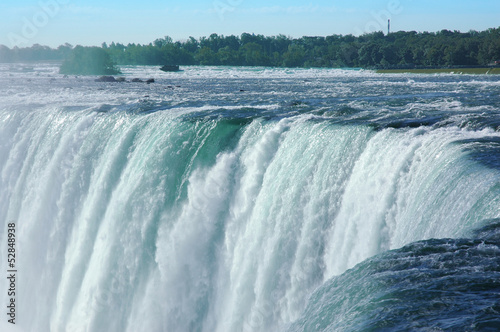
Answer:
(241, 90)
(137, 80)
(106, 79)
(170, 68)
(151, 80)
(121, 79)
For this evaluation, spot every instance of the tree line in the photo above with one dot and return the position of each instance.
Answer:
(373, 50)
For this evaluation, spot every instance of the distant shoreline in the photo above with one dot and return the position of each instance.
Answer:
(402, 50)
(465, 70)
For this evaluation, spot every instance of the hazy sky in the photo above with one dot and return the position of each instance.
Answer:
(91, 22)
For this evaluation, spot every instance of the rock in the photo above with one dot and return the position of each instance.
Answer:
(121, 79)
(151, 80)
(137, 80)
(106, 79)
(170, 68)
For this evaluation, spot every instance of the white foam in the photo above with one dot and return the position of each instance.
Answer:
(134, 221)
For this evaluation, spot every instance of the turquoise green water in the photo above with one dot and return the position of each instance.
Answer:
(281, 207)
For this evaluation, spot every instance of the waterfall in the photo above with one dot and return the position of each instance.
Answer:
(168, 222)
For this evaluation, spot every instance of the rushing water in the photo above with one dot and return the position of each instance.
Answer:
(251, 199)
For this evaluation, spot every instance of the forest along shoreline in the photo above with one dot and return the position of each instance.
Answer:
(401, 50)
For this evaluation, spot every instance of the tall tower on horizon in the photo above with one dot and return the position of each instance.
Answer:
(388, 26)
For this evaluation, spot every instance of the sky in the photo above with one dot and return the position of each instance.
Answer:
(92, 22)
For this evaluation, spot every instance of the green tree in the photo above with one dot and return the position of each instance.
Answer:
(253, 55)
(295, 56)
(206, 57)
(228, 57)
